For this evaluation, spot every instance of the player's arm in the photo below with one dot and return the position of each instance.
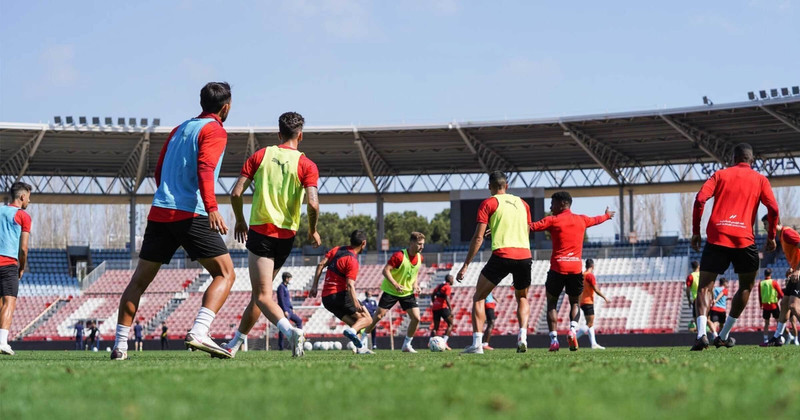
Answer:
(387, 273)
(596, 290)
(705, 193)
(351, 289)
(689, 289)
(543, 224)
(416, 288)
(721, 295)
(312, 209)
(474, 245)
(23, 252)
(237, 202)
(778, 289)
(768, 199)
(317, 274)
(211, 144)
(592, 221)
(447, 299)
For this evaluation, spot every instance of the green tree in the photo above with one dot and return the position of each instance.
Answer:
(399, 225)
(440, 228)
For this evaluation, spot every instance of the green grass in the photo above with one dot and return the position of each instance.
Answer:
(741, 382)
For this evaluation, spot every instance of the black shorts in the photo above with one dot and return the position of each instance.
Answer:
(717, 259)
(9, 280)
(441, 314)
(339, 304)
(792, 289)
(557, 282)
(497, 268)
(719, 317)
(406, 302)
(490, 315)
(162, 239)
(588, 310)
(139, 339)
(775, 313)
(269, 247)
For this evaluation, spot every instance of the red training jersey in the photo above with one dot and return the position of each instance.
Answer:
(439, 302)
(397, 259)
(23, 219)
(770, 306)
(307, 172)
(567, 231)
(689, 280)
(589, 282)
(485, 212)
(347, 265)
(790, 240)
(211, 142)
(737, 191)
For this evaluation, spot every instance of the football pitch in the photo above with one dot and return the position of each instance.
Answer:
(745, 381)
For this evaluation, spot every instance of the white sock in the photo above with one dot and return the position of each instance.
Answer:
(701, 326)
(121, 338)
(203, 322)
(726, 329)
(284, 326)
(446, 337)
(477, 339)
(592, 338)
(407, 341)
(3, 337)
(713, 334)
(237, 340)
(553, 336)
(522, 336)
(781, 328)
(573, 326)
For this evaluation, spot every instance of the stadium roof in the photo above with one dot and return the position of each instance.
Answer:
(607, 149)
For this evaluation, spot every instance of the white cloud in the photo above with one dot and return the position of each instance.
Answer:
(59, 65)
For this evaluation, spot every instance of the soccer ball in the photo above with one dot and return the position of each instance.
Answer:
(307, 346)
(94, 348)
(317, 345)
(337, 345)
(351, 346)
(108, 349)
(436, 344)
(326, 345)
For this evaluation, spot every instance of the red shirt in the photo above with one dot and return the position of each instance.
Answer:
(689, 280)
(440, 302)
(770, 306)
(587, 297)
(347, 265)
(485, 212)
(737, 191)
(790, 240)
(397, 259)
(567, 231)
(211, 142)
(23, 219)
(307, 172)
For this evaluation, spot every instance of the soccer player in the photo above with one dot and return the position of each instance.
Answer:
(138, 337)
(442, 308)
(508, 218)
(567, 231)
(587, 304)
(285, 302)
(79, 335)
(282, 176)
(790, 303)
(692, 282)
(719, 307)
(490, 305)
(185, 214)
(371, 304)
(15, 230)
(400, 285)
(339, 291)
(769, 294)
(736, 190)
(164, 340)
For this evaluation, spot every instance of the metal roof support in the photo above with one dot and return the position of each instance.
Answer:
(607, 157)
(20, 160)
(373, 162)
(714, 146)
(130, 168)
(790, 121)
(488, 158)
(143, 148)
(31, 153)
(251, 144)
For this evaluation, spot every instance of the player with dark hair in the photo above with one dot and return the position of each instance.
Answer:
(281, 176)
(719, 307)
(507, 217)
(138, 336)
(185, 214)
(285, 302)
(769, 294)
(587, 304)
(442, 309)
(692, 282)
(339, 291)
(736, 190)
(15, 231)
(400, 285)
(371, 304)
(490, 305)
(567, 231)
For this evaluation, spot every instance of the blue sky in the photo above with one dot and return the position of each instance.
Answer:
(342, 62)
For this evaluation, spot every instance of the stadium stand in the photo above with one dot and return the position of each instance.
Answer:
(28, 309)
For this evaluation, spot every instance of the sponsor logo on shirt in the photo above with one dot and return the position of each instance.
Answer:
(281, 164)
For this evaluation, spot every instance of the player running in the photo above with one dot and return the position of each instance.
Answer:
(567, 231)
(400, 285)
(719, 307)
(587, 304)
(339, 290)
(281, 175)
(736, 190)
(508, 218)
(185, 213)
(490, 306)
(15, 231)
(442, 308)
(790, 303)
(769, 294)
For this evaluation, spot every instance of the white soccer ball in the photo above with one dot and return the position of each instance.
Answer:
(318, 345)
(326, 345)
(337, 345)
(108, 349)
(351, 346)
(436, 344)
(94, 348)
(307, 346)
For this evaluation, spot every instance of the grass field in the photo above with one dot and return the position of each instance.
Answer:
(742, 382)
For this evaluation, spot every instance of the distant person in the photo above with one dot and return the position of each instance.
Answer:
(442, 309)
(371, 304)
(719, 307)
(769, 294)
(138, 337)
(790, 303)
(567, 231)
(79, 335)
(164, 340)
(94, 336)
(285, 302)
(692, 283)
(15, 230)
(489, 306)
(587, 304)
(736, 190)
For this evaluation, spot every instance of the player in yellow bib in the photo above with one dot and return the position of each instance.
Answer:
(282, 176)
(400, 285)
